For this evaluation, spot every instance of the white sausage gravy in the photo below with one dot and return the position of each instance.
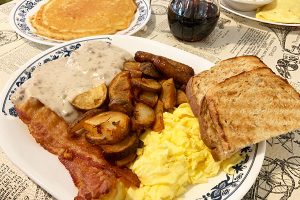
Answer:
(58, 82)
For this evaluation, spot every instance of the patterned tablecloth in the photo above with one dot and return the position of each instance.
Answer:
(277, 46)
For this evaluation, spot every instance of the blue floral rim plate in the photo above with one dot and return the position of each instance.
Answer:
(19, 20)
(15, 139)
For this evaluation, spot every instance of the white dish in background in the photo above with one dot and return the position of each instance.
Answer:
(19, 20)
(44, 167)
(247, 5)
(251, 15)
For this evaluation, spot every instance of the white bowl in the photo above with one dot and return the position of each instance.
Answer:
(246, 5)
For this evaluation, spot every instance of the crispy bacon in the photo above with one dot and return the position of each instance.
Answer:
(96, 179)
(91, 173)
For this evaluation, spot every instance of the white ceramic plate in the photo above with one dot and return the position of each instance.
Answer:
(250, 15)
(45, 169)
(19, 20)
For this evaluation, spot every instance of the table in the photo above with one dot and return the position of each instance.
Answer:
(233, 36)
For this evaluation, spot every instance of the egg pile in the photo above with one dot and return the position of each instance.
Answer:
(280, 11)
(174, 158)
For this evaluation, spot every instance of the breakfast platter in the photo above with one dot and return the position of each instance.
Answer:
(31, 158)
(251, 15)
(23, 10)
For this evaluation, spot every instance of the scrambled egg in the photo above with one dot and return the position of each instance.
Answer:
(285, 11)
(174, 159)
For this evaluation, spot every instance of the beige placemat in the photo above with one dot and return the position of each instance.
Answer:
(278, 47)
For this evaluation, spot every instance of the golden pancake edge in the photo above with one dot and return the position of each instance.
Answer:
(71, 19)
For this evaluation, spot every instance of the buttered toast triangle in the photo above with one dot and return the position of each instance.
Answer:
(245, 109)
(198, 85)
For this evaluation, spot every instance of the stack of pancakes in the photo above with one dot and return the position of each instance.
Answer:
(70, 19)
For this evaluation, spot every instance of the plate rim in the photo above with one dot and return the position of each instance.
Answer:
(240, 13)
(52, 42)
(237, 193)
(260, 156)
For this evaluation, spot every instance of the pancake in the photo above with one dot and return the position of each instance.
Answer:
(70, 19)
(284, 11)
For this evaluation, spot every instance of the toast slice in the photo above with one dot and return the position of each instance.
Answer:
(198, 85)
(245, 109)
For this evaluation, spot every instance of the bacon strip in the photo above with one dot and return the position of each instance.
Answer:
(93, 178)
(91, 173)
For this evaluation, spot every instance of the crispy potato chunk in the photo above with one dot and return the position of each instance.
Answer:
(181, 97)
(159, 120)
(107, 128)
(121, 149)
(76, 128)
(119, 92)
(146, 84)
(150, 70)
(128, 159)
(148, 98)
(132, 65)
(90, 99)
(143, 115)
(134, 68)
(168, 94)
(135, 74)
(136, 92)
(139, 68)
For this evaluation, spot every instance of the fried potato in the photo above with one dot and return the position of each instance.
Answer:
(75, 129)
(119, 92)
(162, 81)
(121, 149)
(181, 73)
(136, 74)
(90, 99)
(145, 84)
(150, 70)
(107, 128)
(148, 98)
(132, 65)
(128, 159)
(159, 120)
(143, 116)
(135, 127)
(168, 94)
(134, 68)
(136, 92)
(181, 97)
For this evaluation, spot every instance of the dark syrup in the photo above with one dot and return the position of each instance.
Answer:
(193, 22)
